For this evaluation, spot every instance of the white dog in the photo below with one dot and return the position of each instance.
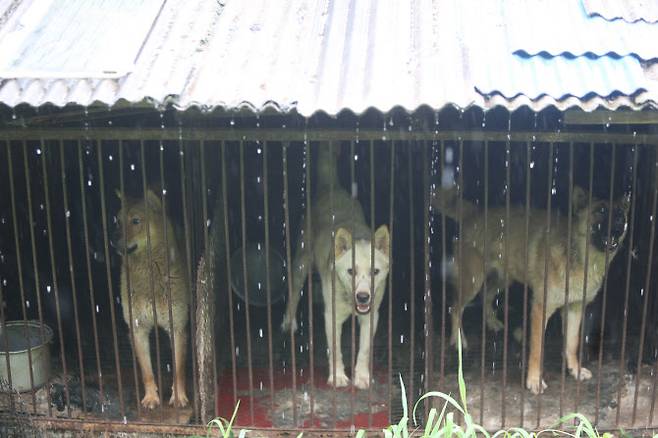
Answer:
(360, 281)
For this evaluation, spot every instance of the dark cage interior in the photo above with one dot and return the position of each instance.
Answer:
(220, 200)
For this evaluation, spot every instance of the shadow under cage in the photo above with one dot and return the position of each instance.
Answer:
(108, 232)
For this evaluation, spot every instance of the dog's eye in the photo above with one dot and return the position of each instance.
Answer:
(350, 271)
(375, 271)
(136, 221)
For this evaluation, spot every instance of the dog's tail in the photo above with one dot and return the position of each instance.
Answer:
(448, 203)
(326, 164)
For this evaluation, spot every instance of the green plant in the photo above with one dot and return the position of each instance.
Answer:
(223, 426)
(442, 424)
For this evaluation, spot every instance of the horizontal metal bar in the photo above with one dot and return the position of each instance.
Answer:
(199, 134)
(578, 117)
(60, 424)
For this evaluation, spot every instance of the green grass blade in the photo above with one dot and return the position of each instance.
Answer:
(430, 422)
(460, 373)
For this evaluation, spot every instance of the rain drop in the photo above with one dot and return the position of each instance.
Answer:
(48, 288)
(38, 151)
(260, 332)
(27, 303)
(132, 167)
(97, 309)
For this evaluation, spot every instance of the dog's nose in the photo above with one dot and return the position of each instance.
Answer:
(362, 297)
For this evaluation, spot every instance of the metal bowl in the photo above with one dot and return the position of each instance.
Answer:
(17, 338)
(255, 258)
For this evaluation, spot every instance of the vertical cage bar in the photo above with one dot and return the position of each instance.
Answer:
(309, 225)
(412, 279)
(442, 367)
(485, 291)
(508, 188)
(286, 213)
(53, 271)
(390, 283)
(65, 199)
(108, 273)
(149, 256)
(3, 320)
(92, 294)
(188, 267)
(647, 288)
(245, 276)
(547, 236)
(172, 334)
(372, 280)
(228, 267)
(427, 284)
(268, 282)
(334, 345)
(581, 330)
(126, 270)
(460, 228)
(655, 367)
(14, 221)
(526, 239)
(567, 284)
(605, 285)
(629, 258)
(354, 190)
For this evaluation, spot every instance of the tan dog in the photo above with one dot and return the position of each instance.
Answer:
(542, 251)
(355, 279)
(146, 259)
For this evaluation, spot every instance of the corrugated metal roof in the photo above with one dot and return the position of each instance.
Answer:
(627, 10)
(334, 55)
(29, 49)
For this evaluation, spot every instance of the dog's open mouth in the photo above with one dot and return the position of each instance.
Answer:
(363, 307)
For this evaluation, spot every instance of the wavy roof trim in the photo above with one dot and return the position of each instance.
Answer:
(335, 55)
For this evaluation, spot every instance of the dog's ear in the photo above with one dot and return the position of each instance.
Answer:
(579, 198)
(342, 242)
(153, 200)
(382, 239)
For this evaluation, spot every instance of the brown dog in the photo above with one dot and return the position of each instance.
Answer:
(151, 282)
(546, 264)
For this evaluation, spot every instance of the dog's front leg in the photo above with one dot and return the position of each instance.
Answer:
(337, 375)
(143, 353)
(574, 314)
(362, 368)
(178, 395)
(534, 381)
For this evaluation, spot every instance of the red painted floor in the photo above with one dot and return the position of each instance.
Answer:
(334, 408)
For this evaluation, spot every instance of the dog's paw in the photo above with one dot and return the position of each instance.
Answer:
(341, 380)
(585, 374)
(289, 325)
(535, 384)
(179, 402)
(362, 379)
(151, 400)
